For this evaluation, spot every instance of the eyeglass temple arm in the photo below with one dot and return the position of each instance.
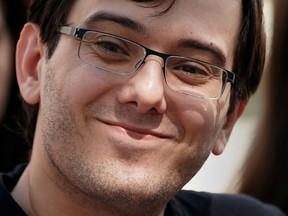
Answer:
(69, 30)
(230, 77)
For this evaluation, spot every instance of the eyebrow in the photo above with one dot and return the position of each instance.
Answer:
(216, 52)
(138, 27)
(119, 19)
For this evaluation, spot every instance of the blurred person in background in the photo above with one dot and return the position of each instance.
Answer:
(265, 173)
(12, 147)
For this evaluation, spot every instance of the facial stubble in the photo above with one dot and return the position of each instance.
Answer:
(89, 183)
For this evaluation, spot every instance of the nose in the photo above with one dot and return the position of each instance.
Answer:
(144, 91)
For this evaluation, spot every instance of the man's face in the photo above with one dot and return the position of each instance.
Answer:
(118, 136)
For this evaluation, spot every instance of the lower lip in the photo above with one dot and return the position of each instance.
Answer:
(126, 133)
(133, 134)
(139, 136)
(120, 137)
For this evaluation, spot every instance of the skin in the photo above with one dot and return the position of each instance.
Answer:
(112, 145)
(6, 50)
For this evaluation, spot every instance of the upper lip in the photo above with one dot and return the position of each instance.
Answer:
(137, 129)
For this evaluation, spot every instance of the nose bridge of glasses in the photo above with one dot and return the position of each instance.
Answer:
(155, 58)
(151, 58)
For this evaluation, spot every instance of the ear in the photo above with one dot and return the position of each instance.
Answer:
(29, 53)
(228, 126)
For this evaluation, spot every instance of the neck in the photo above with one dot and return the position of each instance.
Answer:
(42, 191)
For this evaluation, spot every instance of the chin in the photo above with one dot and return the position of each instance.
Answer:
(121, 188)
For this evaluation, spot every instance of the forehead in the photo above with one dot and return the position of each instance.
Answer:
(221, 10)
(214, 22)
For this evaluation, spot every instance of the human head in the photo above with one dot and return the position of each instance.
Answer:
(248, 62)
(107, 127)
(10, 28)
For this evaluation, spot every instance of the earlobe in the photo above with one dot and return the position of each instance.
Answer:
(29, 55)
(226, 130)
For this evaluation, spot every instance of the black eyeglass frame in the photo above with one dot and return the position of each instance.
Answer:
(80, 32)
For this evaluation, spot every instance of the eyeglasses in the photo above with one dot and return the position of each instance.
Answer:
(121, 56)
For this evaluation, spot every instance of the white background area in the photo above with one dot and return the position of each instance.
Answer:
(220, 173)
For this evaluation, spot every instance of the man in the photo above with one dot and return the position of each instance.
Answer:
(133, 96)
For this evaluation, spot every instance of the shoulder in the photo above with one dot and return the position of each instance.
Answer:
(224, 204)
(240, 204)
(7, 182)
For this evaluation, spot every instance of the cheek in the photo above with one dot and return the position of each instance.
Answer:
(79, 81)
(87, 84)
(199, 119)
(201, 122)
(203, 119)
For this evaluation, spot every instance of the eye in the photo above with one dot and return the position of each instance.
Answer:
(192, 69)
(109, 47)
(189, 72)
(105, 48)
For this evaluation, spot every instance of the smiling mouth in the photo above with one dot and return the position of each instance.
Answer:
(136, 132)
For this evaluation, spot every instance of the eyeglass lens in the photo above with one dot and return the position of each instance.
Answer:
(120, 56)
